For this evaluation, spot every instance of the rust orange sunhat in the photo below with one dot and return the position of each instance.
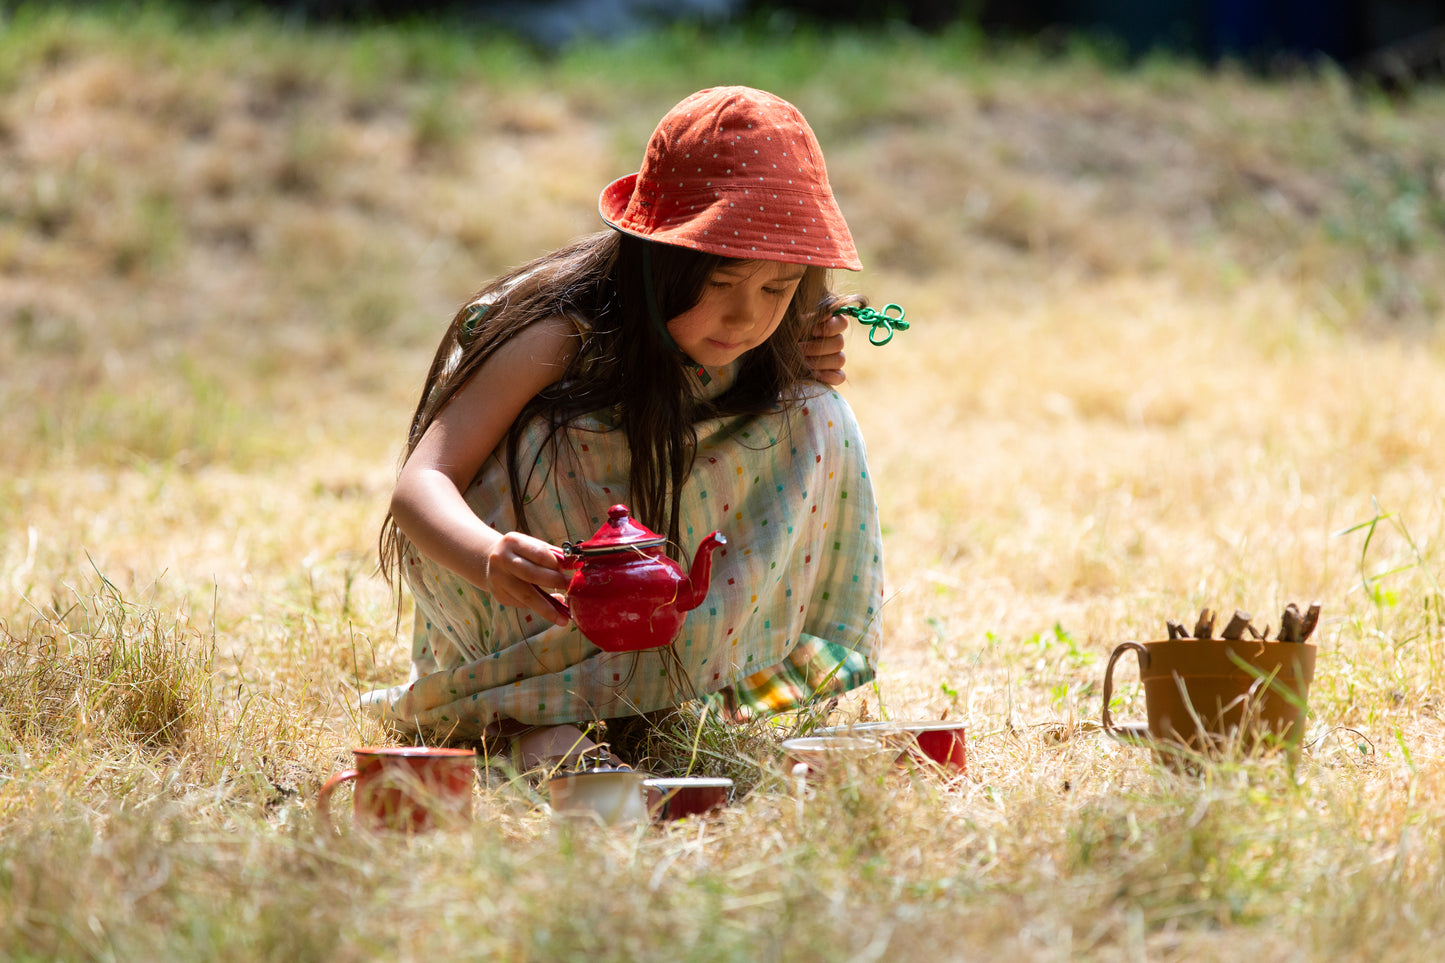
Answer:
(737, 172)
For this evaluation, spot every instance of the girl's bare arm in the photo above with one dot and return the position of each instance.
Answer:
(427, 503)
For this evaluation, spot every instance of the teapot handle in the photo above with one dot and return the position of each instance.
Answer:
(556, 603)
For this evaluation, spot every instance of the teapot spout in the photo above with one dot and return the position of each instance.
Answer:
(700, 574)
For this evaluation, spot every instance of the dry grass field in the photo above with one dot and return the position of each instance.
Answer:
(1176, 342)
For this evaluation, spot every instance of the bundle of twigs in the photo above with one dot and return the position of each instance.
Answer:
(1294, 626)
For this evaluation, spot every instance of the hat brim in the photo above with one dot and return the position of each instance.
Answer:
(612, 203)
(616, 198)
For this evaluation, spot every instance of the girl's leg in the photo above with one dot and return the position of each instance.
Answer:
(550, 746)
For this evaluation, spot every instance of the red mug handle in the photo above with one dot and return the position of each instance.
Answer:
(1119, 650)
(323, 799)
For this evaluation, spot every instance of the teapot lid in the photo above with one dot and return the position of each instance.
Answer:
(617, 533)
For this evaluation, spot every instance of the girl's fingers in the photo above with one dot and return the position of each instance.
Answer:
(825, 358)
(546, 606)
(541, 568)
(824, 350)
(822, 347)
(529, 560)
(828, 369)
(828, 362)
(525, 595)
(826, 336)
(834, 324)
(541, 573)
(520, 570)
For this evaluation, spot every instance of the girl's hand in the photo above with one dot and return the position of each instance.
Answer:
(519, 569)
(824, 350)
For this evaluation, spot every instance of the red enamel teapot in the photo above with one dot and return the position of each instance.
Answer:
(626, 594)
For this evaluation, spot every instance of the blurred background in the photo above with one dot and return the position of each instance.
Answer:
(1388, 37)
(1175, 273)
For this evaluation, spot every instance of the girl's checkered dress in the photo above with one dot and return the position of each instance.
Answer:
(792, 611)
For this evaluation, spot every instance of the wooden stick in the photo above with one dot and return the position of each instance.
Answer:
(1237, 624)
(1289, 624)
(1177, 630)
(1311, 619)
(1204, 628)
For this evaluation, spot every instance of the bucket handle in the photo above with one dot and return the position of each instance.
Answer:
(1119, 650)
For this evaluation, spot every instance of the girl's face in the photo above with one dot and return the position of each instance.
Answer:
(742, 304)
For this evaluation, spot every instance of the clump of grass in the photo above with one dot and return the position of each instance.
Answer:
(698, 739)
(103, 670)
(694, 740)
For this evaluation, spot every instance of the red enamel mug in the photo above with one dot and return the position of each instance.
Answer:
(675, 798)
(406, 788)
(937, 741)
(944, 743)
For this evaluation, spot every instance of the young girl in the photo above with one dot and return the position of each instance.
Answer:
(665, 364)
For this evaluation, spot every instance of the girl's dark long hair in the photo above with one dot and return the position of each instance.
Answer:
(625, 363)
